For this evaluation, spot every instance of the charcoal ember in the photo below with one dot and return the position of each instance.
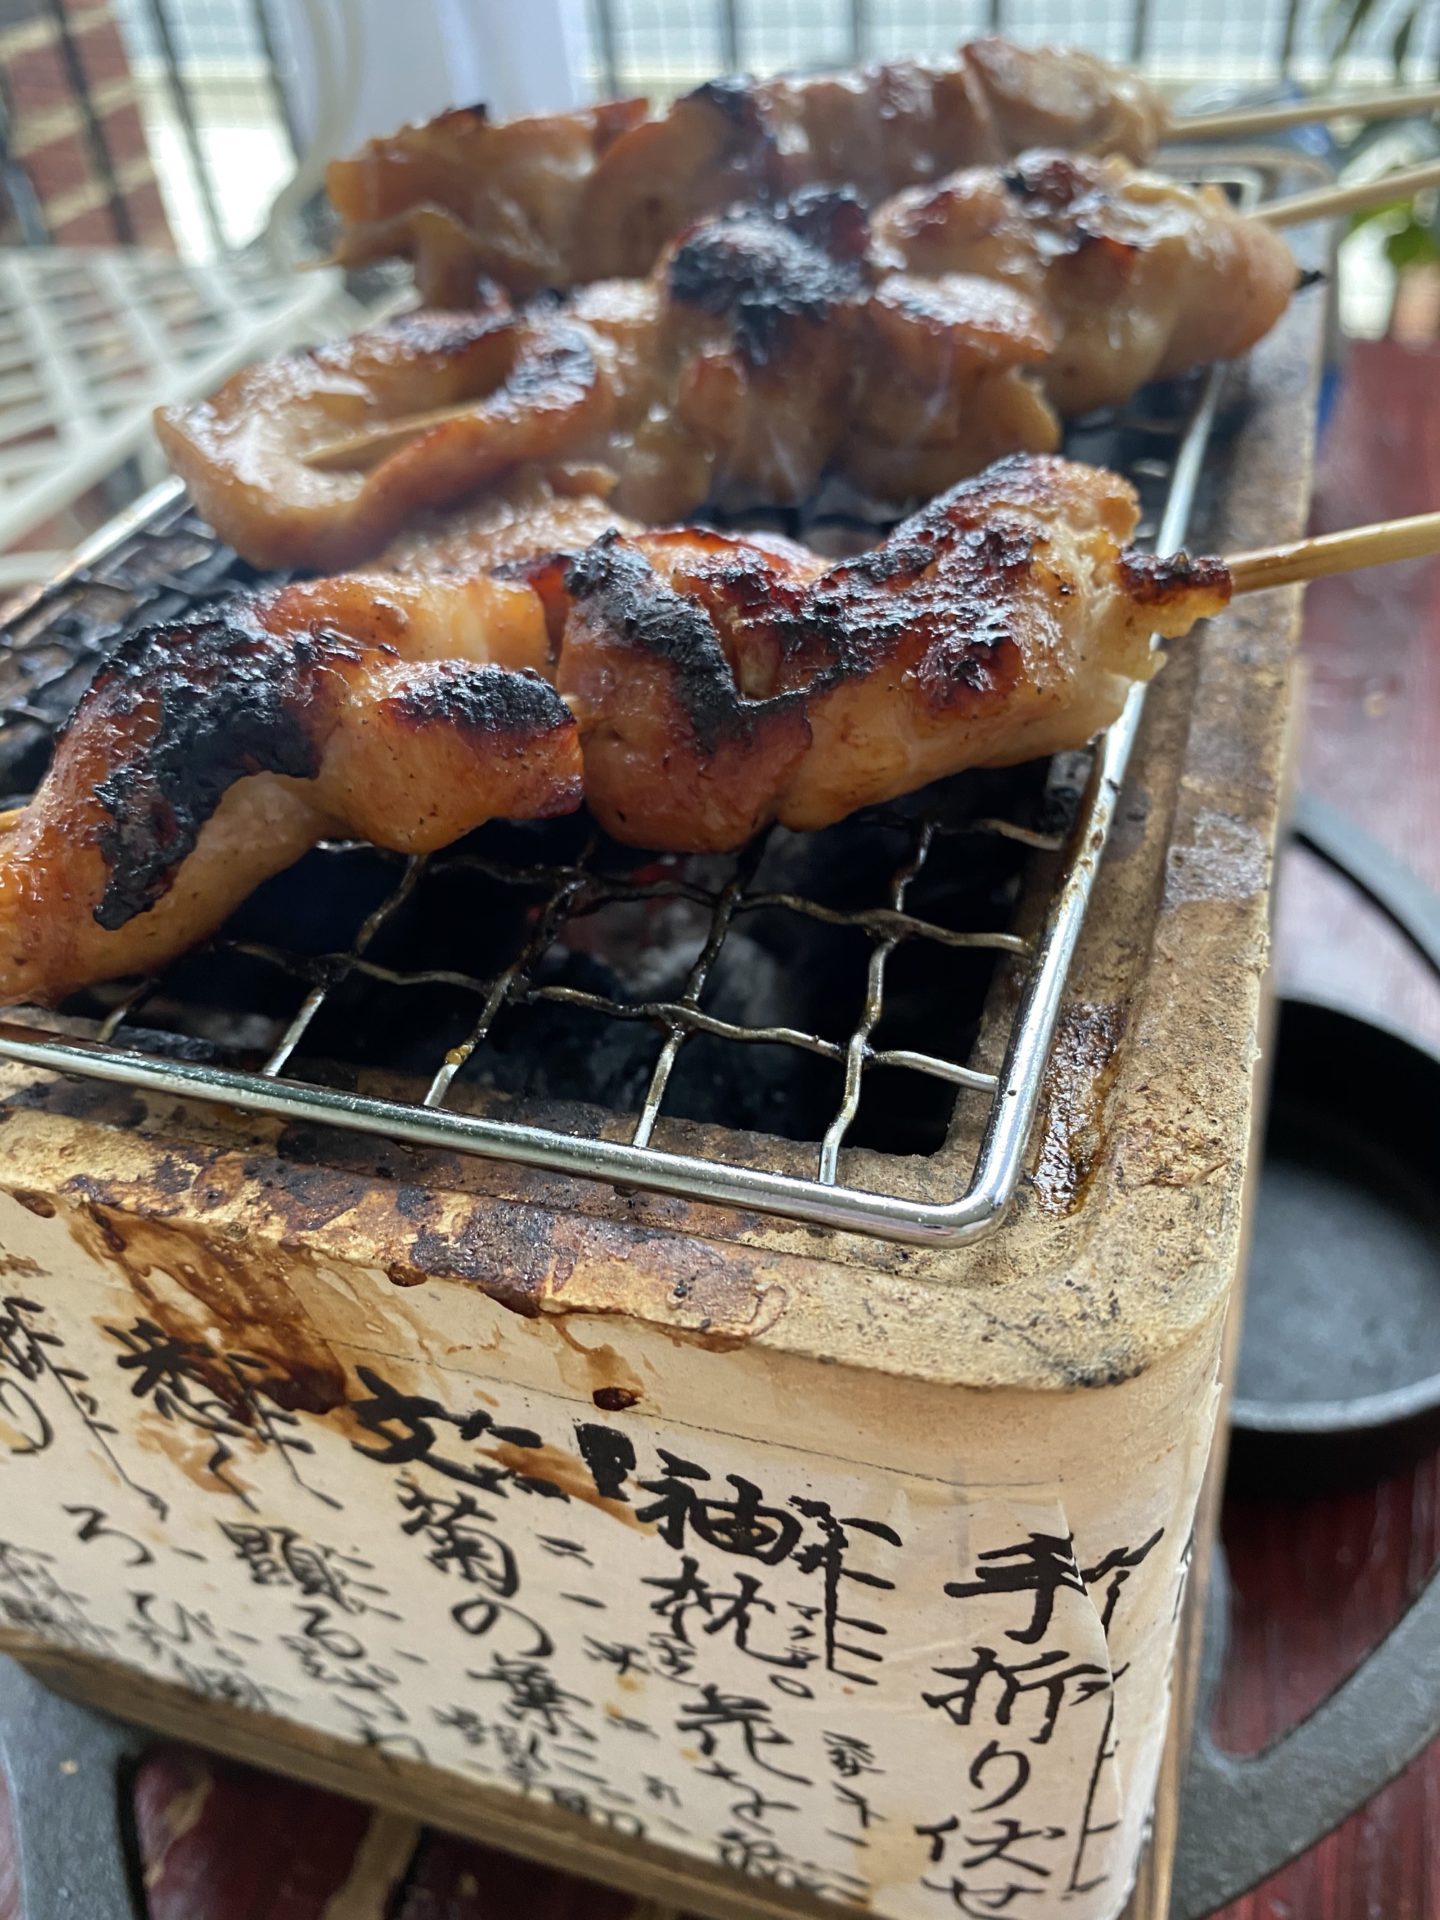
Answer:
(650, 945)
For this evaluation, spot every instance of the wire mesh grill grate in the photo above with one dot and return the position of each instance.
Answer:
(823, 989)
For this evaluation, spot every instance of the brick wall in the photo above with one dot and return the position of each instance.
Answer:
(88, 184)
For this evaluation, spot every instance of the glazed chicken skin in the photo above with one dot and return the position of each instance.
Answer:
(720, 688)
(530, 391)
(1140, 278)
(211, 753)
(766, 351)
(560, 200)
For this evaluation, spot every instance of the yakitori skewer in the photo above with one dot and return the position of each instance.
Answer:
(765, 352)
(564, 199)
(1397, 103)
(1360, 196)
(772, 347)
(369, 444)
(695, 686)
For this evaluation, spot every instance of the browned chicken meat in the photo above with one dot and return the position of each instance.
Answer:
(532, 512)
(559, 200)
(512, 394)
(719, 688)
(1140, 277)
(709, 683)
(212, 752)
(766, 351)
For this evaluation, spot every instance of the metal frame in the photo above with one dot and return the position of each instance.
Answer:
(731, 19)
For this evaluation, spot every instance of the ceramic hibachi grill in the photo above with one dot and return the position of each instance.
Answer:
(593, 1351)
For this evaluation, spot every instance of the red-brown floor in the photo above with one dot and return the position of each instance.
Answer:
(1316, 1583)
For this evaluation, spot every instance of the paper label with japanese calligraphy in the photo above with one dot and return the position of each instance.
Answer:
(900, 1693)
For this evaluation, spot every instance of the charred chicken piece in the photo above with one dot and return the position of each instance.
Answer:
(213, 752)
(1140, 277)
(560, 200)
(765, 351)
(719, 687)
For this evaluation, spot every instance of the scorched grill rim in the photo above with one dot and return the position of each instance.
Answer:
(157, 559)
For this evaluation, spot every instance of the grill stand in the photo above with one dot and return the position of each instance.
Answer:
(225, 1288)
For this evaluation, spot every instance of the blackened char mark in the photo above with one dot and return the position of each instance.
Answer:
(1154, 579)
(619, 588)
(733, 98)
(947, 593)
(833, 218)
(1051, 180)
(1070, 206)
(496, 701)
(229, 699)
(945, 584)
(560, 367)
(764, 275)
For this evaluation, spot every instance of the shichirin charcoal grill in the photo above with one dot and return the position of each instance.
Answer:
(701, 1371)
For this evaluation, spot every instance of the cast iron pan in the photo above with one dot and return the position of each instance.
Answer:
(1339, 1368)
(1340, 1361)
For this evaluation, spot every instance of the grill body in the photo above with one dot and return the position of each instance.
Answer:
(754, 1565)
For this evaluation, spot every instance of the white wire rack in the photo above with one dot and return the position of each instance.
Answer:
(93, 340)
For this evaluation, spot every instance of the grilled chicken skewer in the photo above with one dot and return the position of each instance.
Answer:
(704, 686)
(767, 349)
(713, 685)
(770, 347)
(719, 690)
(560, 200)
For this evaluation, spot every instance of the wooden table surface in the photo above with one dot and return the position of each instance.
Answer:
(1316, 1583)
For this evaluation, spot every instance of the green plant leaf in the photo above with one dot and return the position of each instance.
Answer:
(1412, 245)
(1388, 212)
(1346, 19)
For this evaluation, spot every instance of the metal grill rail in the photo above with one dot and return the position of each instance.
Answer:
(159, 559)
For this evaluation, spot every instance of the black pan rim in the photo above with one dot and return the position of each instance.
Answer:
(1364, 1413)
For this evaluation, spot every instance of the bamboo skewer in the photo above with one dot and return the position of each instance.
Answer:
(1326, 553)
(369, 444)
(1392, 105)
(1327, 203)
